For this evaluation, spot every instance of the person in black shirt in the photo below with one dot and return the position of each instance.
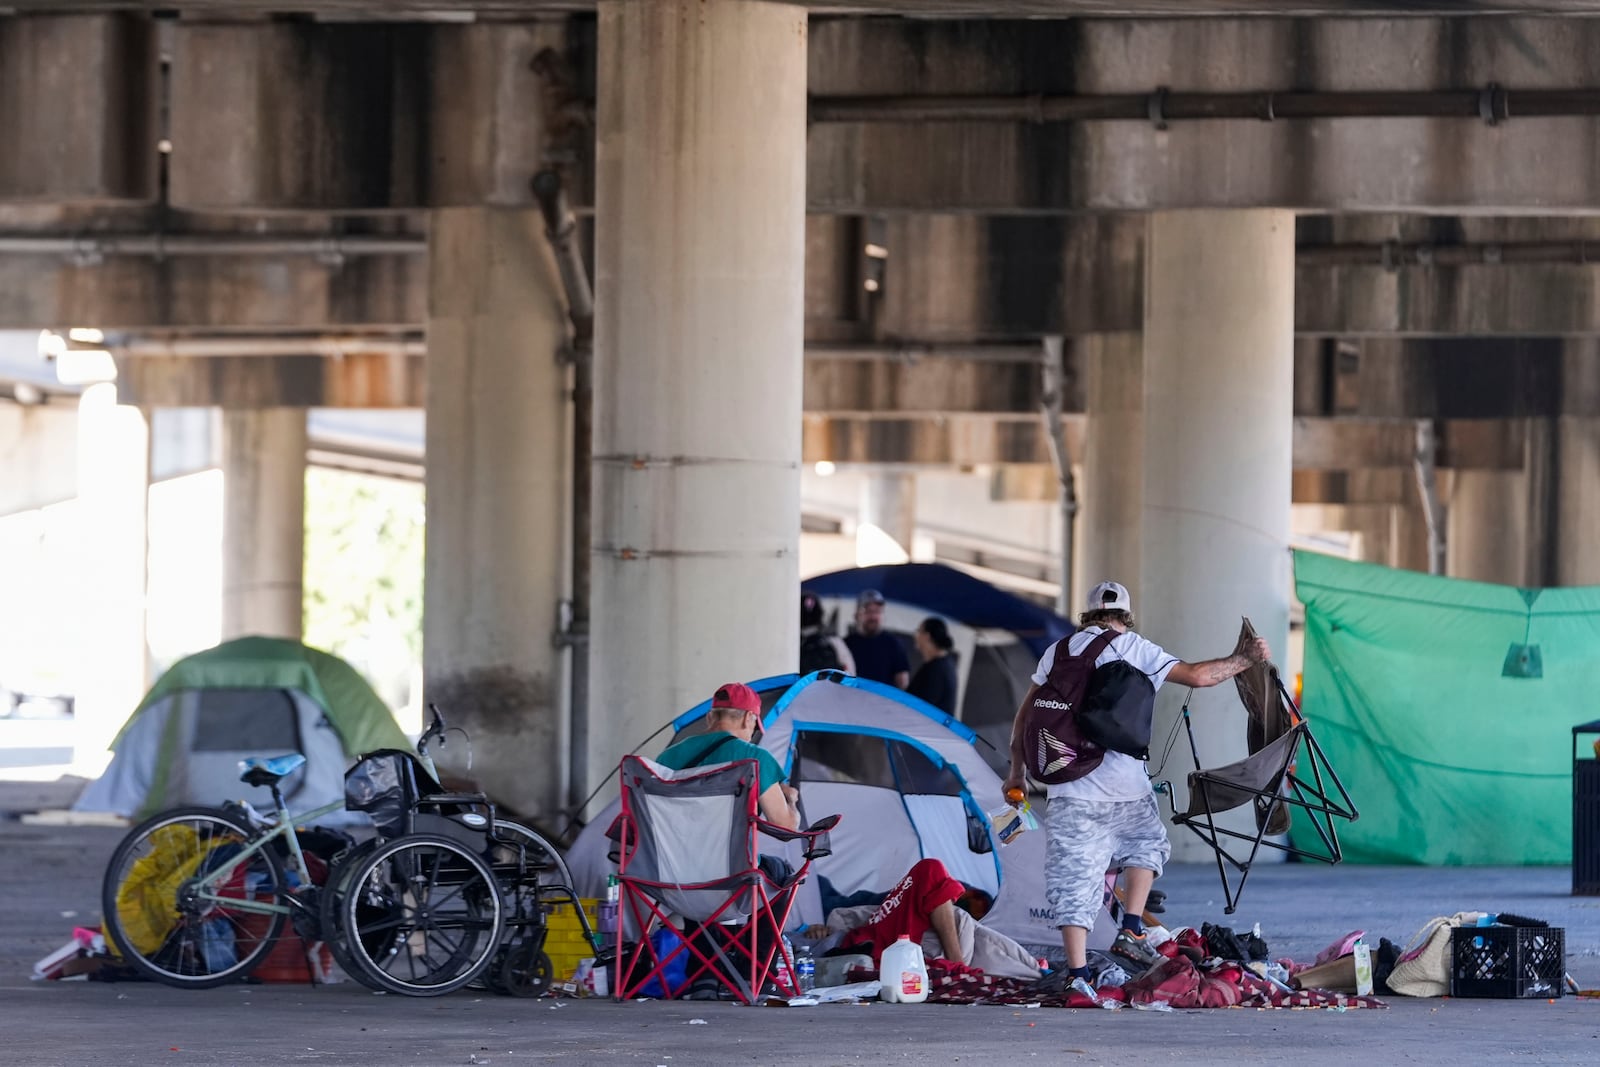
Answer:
(877, 652)
(935, 680)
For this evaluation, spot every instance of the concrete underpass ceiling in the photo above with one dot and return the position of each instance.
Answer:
(926, 9)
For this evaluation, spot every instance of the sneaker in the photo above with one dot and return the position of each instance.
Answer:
(1136, 949)
(1078, 985)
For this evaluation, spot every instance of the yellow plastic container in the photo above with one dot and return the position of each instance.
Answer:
(564, 942)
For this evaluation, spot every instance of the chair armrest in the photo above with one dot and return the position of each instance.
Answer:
(815, 836)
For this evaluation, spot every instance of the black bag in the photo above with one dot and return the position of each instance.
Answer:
(1119, 708)
(1053, 742)
(818, 654)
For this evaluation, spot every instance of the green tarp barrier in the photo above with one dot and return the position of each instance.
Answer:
(1447, 708)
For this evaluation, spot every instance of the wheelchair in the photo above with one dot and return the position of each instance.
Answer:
(446, 893)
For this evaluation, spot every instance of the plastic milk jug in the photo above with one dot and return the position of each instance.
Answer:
(903, 972)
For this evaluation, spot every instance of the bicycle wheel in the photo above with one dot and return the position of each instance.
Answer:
(422, 915)
(332, 904)
(160, 899)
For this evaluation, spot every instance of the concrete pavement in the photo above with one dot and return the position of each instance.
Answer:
(50, 882)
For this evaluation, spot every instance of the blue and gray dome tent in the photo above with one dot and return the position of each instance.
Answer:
(909, 780)
(999, 636)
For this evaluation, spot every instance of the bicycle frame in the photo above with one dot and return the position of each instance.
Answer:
(284, 826)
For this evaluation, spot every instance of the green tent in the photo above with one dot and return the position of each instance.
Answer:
(1447, 708)
(254, 696)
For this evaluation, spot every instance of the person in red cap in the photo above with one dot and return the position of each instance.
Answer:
(731, 723)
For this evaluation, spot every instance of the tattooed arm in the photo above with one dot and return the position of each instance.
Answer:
(1216, 671)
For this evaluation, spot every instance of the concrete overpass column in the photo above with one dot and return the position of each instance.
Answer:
(498, 447)
(113, 474)
(1111, 512)
(699, 252)
(888, 513)
(1218, 428)
(1488, 526)
(1578, 502)
(263, 521)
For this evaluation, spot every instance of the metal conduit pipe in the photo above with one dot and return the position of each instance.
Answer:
(1393, 254)
(561, 227)
(92, 247)
(911, 352)
(335, 347)
(1492, 104)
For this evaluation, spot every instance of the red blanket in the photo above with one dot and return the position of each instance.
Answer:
(1178, 981)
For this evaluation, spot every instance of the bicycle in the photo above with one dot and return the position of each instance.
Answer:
(195, 897)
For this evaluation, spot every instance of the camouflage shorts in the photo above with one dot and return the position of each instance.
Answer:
(1088, 838)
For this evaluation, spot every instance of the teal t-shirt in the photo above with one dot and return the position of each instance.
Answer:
(696, 751)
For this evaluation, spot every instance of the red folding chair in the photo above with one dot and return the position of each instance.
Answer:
(688, 860)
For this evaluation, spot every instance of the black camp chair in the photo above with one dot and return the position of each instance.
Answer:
(1286, 769)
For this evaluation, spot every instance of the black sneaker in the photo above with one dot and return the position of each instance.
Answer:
(1136, 949)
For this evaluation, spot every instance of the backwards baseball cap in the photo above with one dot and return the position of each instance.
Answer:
(1110, 596)
(868, 596)
(738, 696)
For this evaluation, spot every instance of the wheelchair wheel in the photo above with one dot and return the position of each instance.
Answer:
(527, 971)
(158, 898)
(516, 851)
(333, 895)
(421, 915)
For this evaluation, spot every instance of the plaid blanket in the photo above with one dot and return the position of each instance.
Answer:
(1178, 981)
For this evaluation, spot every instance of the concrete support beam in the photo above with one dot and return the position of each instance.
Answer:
(108, 583)
(263, 522)
(1112, 504)
(955, 277)
(1326, 164)
(497, 490)
(354, 116)
(39, 453)
(889, 508)
(1342, 447)
(941, 278)
(357, 380)
(949, 440)
(699, 329)
(1216, 463)
(203, 292)
(78, 104)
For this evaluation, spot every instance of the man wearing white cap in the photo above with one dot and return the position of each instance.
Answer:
(1108, 818)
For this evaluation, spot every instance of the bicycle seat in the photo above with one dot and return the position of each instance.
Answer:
(257, 771)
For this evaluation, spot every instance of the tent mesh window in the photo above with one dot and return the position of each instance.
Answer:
(863, 759)
(245, 720)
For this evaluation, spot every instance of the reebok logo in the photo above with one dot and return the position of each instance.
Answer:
(1056, 704)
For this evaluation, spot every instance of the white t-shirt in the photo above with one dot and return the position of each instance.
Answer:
(1119, 776)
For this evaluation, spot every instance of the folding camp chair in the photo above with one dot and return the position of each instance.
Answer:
(688, 861)
(1288, 771)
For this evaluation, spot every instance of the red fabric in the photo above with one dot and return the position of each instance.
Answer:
(1177, 982)
(907, 908)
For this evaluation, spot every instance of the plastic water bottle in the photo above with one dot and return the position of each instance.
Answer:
(805, 973)
(608, 914)
(780, 968)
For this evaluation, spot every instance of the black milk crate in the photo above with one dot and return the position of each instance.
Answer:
(1507, 961)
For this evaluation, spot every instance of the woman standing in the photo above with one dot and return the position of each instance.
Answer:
(935, 680)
